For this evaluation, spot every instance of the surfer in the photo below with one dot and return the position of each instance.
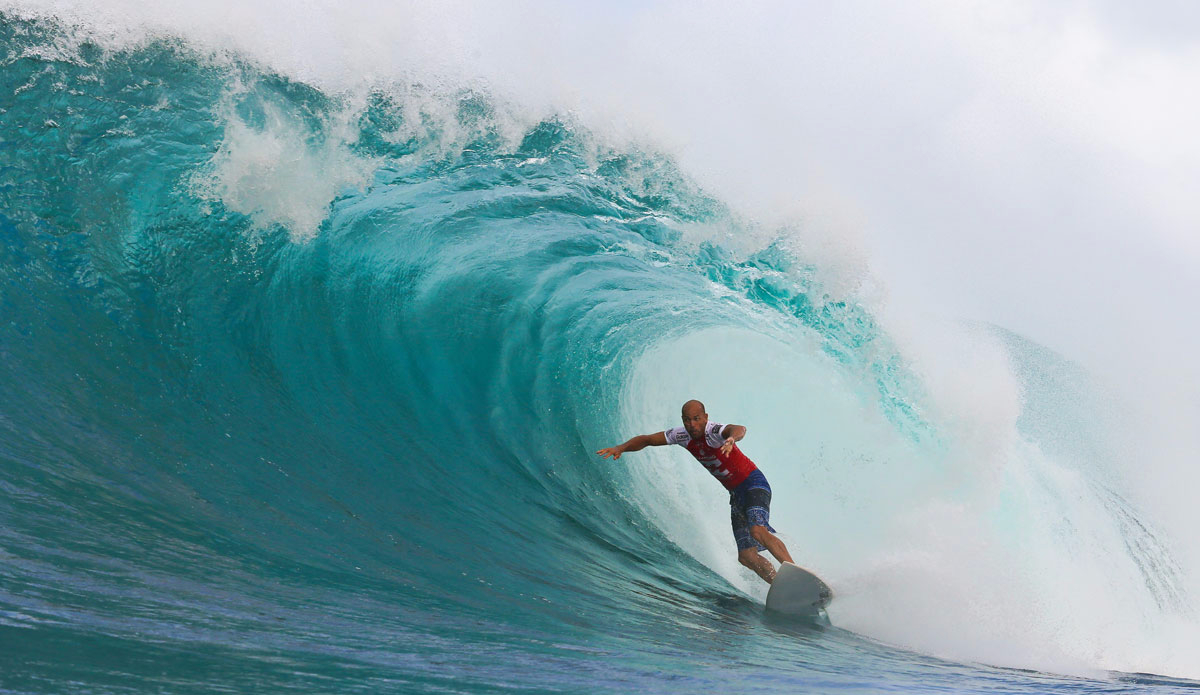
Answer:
(715, 447)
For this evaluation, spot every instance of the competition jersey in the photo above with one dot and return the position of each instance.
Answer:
(730, 469)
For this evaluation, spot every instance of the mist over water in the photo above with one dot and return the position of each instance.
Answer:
(314, 318)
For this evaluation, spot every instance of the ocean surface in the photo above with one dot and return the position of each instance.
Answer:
(300, 392)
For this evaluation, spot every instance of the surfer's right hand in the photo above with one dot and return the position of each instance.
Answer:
(613, 451)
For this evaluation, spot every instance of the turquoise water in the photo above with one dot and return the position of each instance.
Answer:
(301, 392)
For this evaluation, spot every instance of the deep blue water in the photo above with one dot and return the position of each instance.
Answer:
(264, 431)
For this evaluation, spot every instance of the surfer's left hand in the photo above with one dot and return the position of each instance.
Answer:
(727, 446)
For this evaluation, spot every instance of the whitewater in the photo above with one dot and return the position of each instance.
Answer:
(305, 356)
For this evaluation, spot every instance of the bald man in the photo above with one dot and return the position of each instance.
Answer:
(715, 447)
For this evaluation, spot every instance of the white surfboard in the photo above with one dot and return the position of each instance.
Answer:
(796, 591)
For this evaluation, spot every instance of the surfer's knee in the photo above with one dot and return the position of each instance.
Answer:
(759, 533)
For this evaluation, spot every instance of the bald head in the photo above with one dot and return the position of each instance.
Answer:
(694, 419)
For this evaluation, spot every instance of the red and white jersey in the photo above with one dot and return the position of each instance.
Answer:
(731, 469)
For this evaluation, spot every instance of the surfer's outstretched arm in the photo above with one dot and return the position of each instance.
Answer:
(635, 444)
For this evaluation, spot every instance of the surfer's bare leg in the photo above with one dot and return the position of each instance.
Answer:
(761, 565)
(771, 542)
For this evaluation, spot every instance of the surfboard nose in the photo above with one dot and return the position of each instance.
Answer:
(796, 591)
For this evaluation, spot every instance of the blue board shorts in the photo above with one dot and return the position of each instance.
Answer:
(750, 505)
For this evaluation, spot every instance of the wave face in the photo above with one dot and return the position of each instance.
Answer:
(301, 392)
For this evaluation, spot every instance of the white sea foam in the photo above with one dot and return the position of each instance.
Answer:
(277, 175)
